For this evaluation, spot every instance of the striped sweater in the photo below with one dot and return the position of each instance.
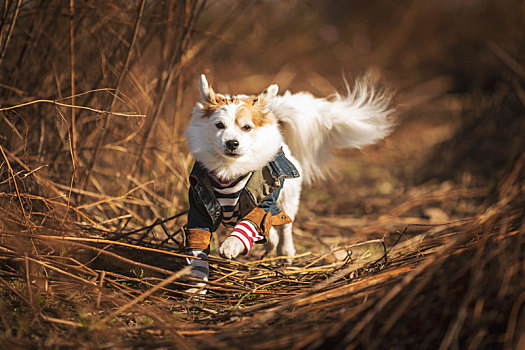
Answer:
(227, 194)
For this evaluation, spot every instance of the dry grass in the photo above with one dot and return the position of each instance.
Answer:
(425, 249)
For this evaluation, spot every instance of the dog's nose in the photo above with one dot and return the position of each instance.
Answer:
(232, 144)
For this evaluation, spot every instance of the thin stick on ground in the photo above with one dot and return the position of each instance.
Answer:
(73, 129)
(10, 31)
(12, 173)
(72, 106)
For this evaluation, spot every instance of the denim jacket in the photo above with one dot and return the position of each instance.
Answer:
(257, 202)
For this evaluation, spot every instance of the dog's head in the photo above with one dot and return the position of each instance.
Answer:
(235, 135)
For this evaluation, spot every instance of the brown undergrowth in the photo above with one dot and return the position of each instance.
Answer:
(62, 278)
(417, 243)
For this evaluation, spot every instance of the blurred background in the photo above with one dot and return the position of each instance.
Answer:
(95, 97)
(455, 67)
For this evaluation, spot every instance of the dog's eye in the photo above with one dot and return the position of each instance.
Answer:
(219, 125)
(247, 127)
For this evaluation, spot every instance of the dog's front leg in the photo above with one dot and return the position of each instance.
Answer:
(232, 247)
(241, 240)
(286, 246)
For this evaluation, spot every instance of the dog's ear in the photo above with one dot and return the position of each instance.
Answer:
(207, 94)
(271, 91)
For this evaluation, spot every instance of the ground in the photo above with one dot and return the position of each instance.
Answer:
(416, 242)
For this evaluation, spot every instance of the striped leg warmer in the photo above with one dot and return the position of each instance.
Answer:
(247, 233)
(199, 269)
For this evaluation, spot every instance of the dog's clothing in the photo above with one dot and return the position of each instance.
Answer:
(199, 269)
(256, 207)
(228, 195)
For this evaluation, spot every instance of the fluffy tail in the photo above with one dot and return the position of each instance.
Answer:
(312, 126)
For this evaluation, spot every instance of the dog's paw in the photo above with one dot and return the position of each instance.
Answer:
(287, 250)
(231, 248)
(197, 290)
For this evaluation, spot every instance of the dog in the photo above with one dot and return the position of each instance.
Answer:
(278, 143)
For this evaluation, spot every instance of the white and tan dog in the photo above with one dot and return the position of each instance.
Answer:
(235, 135)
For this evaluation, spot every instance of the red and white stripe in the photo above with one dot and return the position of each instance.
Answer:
(247, 233)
